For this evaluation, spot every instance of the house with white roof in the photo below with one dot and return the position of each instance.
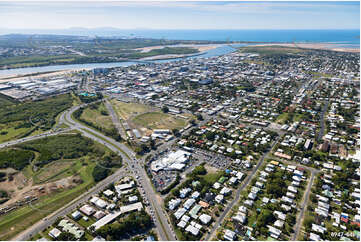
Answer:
(174, 203)
(219, 198)
(318, 228)
(189, 203)
(229, 235)
(205, 218)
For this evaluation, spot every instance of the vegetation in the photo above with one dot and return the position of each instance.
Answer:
(132, 224)
(126, 110)
(21, 119)
(59, 147)
(82, 154)
(40, 53)
(100, 173)
(6, 101)
(273, 50)
(97, 117)
(164, 51)
(89, 99)
(158, 120)
(15, 158)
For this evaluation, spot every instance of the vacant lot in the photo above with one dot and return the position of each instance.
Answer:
(127, 110)
(63, 167)
(55, 171)
(158, 120)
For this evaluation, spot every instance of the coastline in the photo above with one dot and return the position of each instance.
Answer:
(319, 46)
(199, 47)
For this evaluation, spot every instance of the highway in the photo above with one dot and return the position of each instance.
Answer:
(34, 137)
(161, 222)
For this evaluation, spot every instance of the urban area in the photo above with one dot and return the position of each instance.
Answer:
(258, 144)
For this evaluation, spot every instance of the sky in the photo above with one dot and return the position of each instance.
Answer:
(179, 15)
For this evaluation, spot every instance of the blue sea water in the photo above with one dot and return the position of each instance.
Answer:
(335, 36)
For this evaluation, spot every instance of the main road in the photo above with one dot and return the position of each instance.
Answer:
(128, 156)
(161, 220)
(34, 137)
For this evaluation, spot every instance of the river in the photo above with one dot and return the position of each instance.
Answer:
(222, 50)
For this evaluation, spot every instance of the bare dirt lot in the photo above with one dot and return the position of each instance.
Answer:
(19, 187)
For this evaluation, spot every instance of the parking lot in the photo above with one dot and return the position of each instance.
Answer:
(213, 159)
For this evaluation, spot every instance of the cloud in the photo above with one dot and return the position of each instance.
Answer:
(180, 14)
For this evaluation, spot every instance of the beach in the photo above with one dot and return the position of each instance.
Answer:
(199, 47)
(320, 46)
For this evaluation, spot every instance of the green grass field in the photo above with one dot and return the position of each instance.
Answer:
(9, 132)
(126, 110)
(159, 120)
(95, 116)
(212, 177)
(281, 119)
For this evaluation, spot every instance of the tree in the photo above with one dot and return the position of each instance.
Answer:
(175, 132)
(165, 109)
(99, 173)
(66, 236)
(210, 136)
(152, 144)
(265, 218)
(199, 117)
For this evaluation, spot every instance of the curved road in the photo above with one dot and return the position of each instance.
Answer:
(163, 226)
(164, 230)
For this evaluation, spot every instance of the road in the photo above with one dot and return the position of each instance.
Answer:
(303, 208)
(50, 219)
(322, 121)
(161, 222)
(305, 198)
(238, 192)
(29, 138)
(115, 119)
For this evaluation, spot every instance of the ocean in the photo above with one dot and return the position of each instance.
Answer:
(344, 37)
